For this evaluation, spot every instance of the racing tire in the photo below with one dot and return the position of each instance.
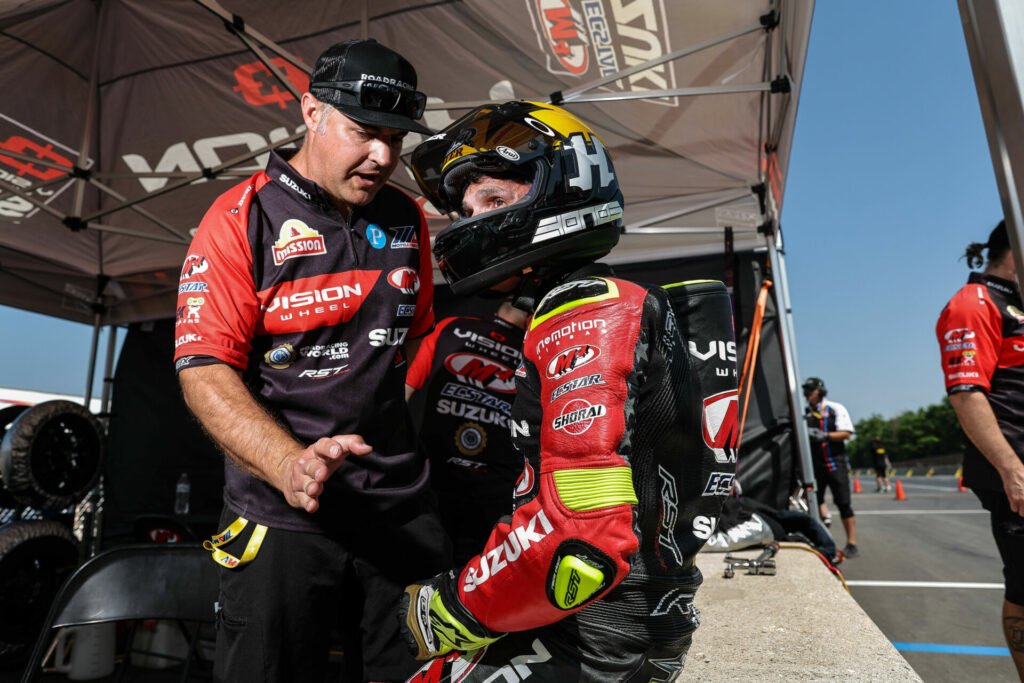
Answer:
(36, 557)
(52, 455)
(7, 416)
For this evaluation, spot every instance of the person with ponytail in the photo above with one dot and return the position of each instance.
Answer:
(981, 337)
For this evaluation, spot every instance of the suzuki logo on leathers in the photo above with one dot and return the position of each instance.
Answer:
(517, 542)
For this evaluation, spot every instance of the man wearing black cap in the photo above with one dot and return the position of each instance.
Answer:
(829, 426)
(981, 336)
(300, 290)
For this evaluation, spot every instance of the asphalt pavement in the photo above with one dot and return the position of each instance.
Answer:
(930, 577)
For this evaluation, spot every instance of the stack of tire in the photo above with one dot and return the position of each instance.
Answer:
(51, 456)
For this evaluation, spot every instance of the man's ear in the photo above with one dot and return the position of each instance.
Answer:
(312, 110)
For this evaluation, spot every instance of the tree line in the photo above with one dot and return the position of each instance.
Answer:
(914, 434)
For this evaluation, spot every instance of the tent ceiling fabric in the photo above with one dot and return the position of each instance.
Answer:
(176, 92)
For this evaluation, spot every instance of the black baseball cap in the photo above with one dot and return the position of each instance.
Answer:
(370, 83)
(813, 383)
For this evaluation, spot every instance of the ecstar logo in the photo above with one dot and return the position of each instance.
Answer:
(297, 239)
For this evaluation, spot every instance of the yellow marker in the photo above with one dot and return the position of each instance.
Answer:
(910, 473)
(930, 472)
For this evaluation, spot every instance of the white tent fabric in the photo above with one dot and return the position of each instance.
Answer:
(123, 119)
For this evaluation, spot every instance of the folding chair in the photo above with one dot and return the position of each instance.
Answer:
(132, 583)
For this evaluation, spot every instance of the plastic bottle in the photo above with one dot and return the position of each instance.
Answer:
(182, 493)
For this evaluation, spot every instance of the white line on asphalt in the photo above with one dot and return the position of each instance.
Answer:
(915, 485)
(920, 512)
(923, 584)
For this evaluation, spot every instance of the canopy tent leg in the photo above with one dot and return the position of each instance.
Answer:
(992, 29)
(97, 317)
(108, 374)
(788, 341)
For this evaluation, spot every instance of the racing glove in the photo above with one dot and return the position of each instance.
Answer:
(817, 435)
(434, 621)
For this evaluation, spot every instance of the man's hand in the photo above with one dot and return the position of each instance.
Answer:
(1013, 484)
(305, 475)
(434, 622)
(817, 435)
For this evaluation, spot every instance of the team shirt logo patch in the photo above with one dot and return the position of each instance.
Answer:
(194, 264)
(570, 359)
(405, 238)
(280, 357)
(470, 439)
(404, 279)
(297, 239)
(1016, 313)
(577, 416)
(375, 236)
(481, 371)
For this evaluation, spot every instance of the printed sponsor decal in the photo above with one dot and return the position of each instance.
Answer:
(525, 482)
(719, 484)
(481, 371)
(261, 88)
(516, 544)
(189, 313)
(324, 372)
(721, 349)
(388, 336)
(375, 236)
(313, 302)
(332, 351)
(720, 425)
(187, 339)
(569, 331)
(588, 39)
(182, 362)
(507, 152)
(406, 237)
(404, 279)
(958, 334)
(472, 340)
(575, 384)
(406, 310)
(470, 438)
(280, 357)
(957, 347)
(519, 428)
(570, 359)
(464, 393)
(578, 415)
(962, 375)
(669, 514)
(33, 179)
(521, 370)
(189, 287)
(483, 415)
(194, 265)
(1016, 313)
(297, 239)
(294, 186)
(703, 526)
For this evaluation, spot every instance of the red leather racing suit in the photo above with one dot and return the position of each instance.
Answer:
(624, 470)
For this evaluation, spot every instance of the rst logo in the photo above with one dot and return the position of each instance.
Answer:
(388, 336)
(313, 302)
(591, 38)
(23, 174)
(404, 279)
(324, 372)
(571, 359)
(481, 372)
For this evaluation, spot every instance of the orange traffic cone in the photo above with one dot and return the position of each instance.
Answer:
(856, 485)
(899, 491)
(960, 484)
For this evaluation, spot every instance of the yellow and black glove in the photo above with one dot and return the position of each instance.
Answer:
(435, 622)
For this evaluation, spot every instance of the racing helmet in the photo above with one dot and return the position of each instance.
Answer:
(571, 215)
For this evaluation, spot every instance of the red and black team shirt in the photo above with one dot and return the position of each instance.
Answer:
(313, 309)
(981, 335)
(467, 367)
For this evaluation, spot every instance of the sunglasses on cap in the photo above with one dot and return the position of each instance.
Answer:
(380, 96)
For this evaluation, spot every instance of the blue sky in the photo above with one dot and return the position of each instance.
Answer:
(889, 179)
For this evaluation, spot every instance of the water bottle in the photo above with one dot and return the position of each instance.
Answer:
(182, 493)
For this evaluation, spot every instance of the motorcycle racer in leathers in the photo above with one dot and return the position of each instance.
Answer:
(629, 452)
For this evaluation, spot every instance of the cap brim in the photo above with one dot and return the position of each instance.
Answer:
(382, 119)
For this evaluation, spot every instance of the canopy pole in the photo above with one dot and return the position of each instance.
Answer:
(90, 112)
(92, 358)
(108, 373)
(788, 340)
(992, 29)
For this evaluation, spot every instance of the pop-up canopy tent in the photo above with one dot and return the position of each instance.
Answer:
(123, 120)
